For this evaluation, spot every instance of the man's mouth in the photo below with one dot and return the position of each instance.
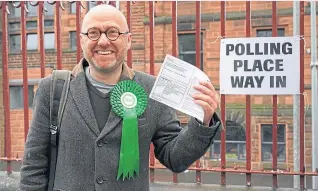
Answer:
(104, 52)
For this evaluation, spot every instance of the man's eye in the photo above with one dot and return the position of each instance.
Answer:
(93, 32)
(113, 31)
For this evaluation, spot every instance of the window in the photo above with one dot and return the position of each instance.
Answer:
(268, 32)
(31, 24)
(15, 43)
(32, 41)
(48, 23)
(187, 48)
(73, 40)
(73, 8)
(33, 10)
(14, 26)
(267, 143)
(235, 143)
(49, 9)
(14, 12)
(49, 40)
(91, 4)
(16, 96)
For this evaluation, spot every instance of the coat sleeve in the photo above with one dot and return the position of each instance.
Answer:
(35, 166)
(176, 147)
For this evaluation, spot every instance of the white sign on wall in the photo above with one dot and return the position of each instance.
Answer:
(260, 66)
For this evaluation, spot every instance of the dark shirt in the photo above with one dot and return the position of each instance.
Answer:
(100, 103)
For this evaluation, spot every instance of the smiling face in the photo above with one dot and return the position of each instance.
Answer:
(103, 54)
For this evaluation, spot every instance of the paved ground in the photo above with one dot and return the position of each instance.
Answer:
(163, 179)
(208, 187)
(10, 183)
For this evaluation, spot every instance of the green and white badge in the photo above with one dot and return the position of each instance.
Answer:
(128, 100)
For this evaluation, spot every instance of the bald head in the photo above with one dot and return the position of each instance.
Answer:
(104, 13)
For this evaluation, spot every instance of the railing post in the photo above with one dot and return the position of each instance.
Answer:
(6, 93)
(248, 103)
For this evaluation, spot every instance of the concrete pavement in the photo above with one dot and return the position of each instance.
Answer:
(10, 183)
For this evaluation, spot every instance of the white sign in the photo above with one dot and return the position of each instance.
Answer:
(260, 66)
(174, 86)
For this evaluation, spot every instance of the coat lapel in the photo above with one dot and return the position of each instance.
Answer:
(79, 92)
(113, 120)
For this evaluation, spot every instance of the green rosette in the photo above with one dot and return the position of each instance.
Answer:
(129, 101)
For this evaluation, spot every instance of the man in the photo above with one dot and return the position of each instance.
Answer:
(90, 131)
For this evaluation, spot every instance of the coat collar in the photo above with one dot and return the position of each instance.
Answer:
(127, 73)
(81, 98)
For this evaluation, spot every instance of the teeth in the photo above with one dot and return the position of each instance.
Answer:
(104, 52)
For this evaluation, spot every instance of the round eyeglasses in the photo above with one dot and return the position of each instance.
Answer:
(112, 34)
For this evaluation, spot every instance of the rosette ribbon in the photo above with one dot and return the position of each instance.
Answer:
(128, 100)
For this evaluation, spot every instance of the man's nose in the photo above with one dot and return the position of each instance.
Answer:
(103, 40)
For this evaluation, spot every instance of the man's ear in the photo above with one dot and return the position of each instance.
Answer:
(81, 40)
(129, 41)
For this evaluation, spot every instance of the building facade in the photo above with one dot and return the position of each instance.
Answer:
(261, 26)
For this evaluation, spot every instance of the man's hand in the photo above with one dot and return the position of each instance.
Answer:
(208, 99)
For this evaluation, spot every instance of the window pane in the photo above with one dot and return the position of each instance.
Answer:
(281, 32)
(16, 96)
(31, 24)
(91, 4)
(15, 41)
(281, 152)
(48, 23)
(14, 26)
(73, 40)
(32, 10)
(264, 33)
(186, 42)
(49, 9)
(14, 12)
(215, 151)
(242, 151)
(267, 133)
(231, 151)
(16, 100)
(30, 95)
(32, 41)
(281, 133)
(267, 152)
(190, 58)
(234, 151)
(73, 8)
(49, 40)
(234, 132)
(268, 32)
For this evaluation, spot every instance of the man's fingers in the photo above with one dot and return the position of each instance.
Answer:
(210, 100)
(204, 90)
(207, 107)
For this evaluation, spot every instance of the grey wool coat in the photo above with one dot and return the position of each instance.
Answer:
(88, 159)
